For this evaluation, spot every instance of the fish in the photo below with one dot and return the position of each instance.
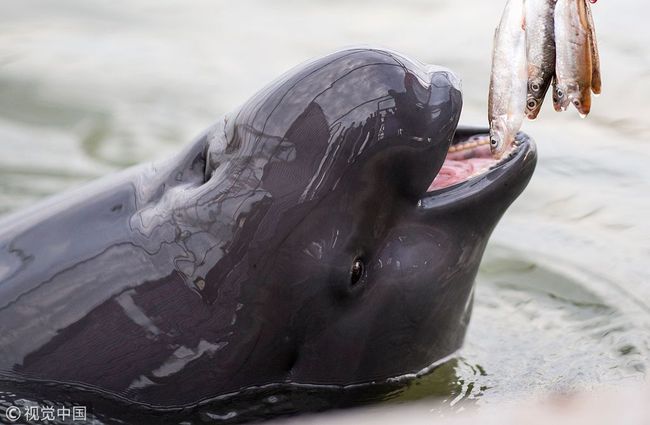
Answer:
(573, 64)
(509, 78)
(595, 56)
(556, 100)
(540, 45)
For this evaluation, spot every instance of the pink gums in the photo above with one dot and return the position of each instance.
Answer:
(461, 165)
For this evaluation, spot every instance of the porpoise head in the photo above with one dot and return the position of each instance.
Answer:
(361, 255)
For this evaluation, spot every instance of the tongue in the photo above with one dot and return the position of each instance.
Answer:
(460, 166)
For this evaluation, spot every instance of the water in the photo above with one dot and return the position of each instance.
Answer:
(563, 295)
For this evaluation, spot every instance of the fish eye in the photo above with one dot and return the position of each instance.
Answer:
(560, 93)
(576, 102)
(494, 142)
(532, 103)
(356, 271)
(535, 86)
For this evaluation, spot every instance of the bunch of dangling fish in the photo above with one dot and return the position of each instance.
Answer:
(539, 43)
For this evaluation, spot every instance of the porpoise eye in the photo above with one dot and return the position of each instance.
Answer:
(356, 272)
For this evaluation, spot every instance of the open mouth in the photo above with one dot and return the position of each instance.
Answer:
(468, 158)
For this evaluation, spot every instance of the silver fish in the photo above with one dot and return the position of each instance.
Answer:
(573, 65)
(595, 56)
(508, 84)
(540, 41)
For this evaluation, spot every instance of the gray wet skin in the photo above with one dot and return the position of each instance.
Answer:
(293, 242)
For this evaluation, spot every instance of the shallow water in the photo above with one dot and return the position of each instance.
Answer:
(563, 295)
